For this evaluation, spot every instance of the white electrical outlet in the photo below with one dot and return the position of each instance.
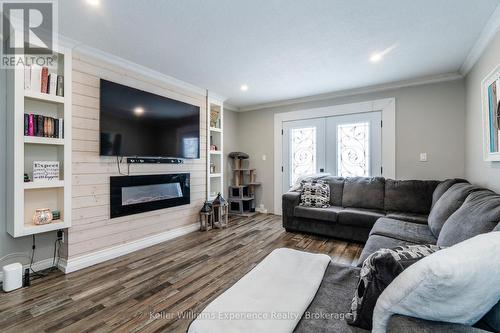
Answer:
(423, 157)
(264, 157)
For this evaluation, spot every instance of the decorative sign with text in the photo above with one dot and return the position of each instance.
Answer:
(44, 171)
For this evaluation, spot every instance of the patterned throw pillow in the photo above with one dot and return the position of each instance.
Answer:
(378, 271)
(315, 193)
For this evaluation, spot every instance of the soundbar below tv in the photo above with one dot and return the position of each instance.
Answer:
(138, 123)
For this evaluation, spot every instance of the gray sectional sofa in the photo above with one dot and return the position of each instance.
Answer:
(385, 213)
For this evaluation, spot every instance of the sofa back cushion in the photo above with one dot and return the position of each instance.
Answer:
(479, 214)
(336, 189)
(448, 204)
(363, 192)
(443, 187)
(410, 196)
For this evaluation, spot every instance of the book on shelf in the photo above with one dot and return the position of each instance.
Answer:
(43, 126)
(40, 126)
(39, 79)
(27, 77)
(45, 80)
(60, 86)
(52, 84)
(35, 124)
(26, 124)
(30, 125)
(36, 78)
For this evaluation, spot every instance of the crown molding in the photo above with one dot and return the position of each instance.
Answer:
(231, 107)
(357, 91)
(216, 96)
(487, 34)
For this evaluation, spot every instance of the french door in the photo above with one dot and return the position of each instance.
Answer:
(345, 146)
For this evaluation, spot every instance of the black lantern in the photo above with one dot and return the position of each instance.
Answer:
(206, 216)
(220, 211)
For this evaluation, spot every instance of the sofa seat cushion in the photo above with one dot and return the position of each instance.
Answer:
(408, 217)
(359, 217)
(448, 204)
(479, 214)
(324, 214)
(362, 192)
(331, 302)
(413, 196)
(377, 242)
(405, 231)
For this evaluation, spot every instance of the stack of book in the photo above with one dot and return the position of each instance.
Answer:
(38, 79)
(38, 125)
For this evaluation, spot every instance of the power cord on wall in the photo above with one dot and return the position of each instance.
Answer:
(120, 160)
(33, 248)
(55, 259)
(57, 249)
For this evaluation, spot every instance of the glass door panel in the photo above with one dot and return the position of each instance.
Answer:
(303, 149)
(353, 150)
(354, 145)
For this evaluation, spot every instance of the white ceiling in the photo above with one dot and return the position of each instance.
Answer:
(281, 49)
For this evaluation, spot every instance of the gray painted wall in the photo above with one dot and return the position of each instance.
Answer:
(476, 169)
(9, 245)
(429, 118)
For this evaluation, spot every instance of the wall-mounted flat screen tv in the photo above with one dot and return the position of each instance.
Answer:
(138, 123)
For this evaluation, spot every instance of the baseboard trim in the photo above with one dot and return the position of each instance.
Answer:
(87, 260)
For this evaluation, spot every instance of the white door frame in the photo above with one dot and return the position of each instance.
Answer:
(388, 108)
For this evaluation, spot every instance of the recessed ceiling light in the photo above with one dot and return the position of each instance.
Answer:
(378, 56)
(138, 111)
(244, 87)
(94, 3)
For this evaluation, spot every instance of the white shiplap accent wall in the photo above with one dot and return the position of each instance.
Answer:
(92, 230)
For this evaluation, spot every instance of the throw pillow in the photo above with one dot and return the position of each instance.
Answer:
(377, 272)
(315, 193)
(455, 285)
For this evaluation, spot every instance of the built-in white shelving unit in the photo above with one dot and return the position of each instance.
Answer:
(43, 141)
(215, 139)
(23, 198)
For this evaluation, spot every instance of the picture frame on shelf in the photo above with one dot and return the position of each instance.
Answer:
(490, 92)
(45, 171)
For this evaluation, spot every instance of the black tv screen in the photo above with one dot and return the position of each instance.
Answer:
(137, 123)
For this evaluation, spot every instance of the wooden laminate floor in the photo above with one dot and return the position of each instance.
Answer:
(159, 288)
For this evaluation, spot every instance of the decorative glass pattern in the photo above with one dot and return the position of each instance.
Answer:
(302, 152)
(353, 150)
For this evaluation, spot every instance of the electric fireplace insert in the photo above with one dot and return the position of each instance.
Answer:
(138, 194)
